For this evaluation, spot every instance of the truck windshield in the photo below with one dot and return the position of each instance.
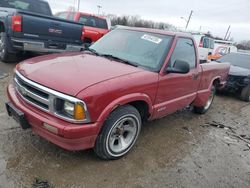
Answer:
(143, 49)
(39, 7)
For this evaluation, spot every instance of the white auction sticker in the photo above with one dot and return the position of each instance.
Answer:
(150, 38)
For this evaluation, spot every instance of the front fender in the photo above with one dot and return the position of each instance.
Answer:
(125, 100)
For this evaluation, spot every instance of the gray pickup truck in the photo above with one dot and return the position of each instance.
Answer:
(28, 25)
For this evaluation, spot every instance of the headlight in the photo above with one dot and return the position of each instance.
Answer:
(69, 108)
(75, 111)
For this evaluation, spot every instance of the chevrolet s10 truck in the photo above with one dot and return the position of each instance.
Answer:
(99, 98)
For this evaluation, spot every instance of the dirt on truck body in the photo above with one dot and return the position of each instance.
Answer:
(181, 150)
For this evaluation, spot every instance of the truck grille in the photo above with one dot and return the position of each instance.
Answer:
(32, 94)
(46, 99)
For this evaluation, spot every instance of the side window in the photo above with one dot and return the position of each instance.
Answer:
(91, 22)
(211, 44)
(184, 51)
(101, 23)
(206, 42)
(83, 20)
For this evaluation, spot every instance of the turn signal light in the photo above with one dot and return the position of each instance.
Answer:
(79, 112)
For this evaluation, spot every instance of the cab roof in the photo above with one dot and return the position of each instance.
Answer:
(156, 31)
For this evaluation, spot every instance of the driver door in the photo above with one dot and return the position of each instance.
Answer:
(177, 91)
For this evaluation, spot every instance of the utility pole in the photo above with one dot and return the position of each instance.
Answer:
(78, 8)
(228, 38)
(99, 8)
(190, 16)
(227, 32)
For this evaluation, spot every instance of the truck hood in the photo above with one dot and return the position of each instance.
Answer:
(71, 73)
(239, 71)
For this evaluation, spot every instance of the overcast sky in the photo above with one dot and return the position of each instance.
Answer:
(210, 15)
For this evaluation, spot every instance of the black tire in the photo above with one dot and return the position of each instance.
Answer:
(5, 56)
(87, 41)
(114, 130)
(204, 109)
(245, 94)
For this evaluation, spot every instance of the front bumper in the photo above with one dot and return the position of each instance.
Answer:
(69, 136)
(43, 47)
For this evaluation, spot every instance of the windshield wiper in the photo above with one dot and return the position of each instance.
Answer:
(109, 56)
(92, 51)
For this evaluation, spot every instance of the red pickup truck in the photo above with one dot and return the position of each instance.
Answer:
(95, 27)
(99, 98)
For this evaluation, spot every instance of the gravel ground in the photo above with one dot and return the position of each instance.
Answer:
(181, 150)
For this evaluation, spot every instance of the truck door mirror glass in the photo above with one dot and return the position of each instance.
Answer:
(181, 67)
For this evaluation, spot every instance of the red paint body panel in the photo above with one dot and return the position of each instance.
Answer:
(92, 33)
(70, 136)
(79, 71)
(104, 84)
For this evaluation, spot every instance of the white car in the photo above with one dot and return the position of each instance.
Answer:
(205, 46)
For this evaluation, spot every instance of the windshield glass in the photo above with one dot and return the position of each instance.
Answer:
(144, 49)
(39, 7)
(237, 59)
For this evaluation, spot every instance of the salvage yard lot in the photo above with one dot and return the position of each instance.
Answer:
(181, 150)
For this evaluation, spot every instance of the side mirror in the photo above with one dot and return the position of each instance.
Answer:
(181, 67)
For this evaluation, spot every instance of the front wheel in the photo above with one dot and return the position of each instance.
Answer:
(119, 133)
(204, 109)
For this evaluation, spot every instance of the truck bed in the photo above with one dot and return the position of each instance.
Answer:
(212, 71)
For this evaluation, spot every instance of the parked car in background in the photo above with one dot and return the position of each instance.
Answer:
(239, 76)
(28, 25)
(205, 46)
(95, 26)
(222, 48)
(99, 98)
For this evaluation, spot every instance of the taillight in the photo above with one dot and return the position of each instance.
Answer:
(17, 23)
(83, 32)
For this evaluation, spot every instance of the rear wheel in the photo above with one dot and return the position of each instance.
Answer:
(119, 133)
(87, 41)
(245, 94)
(204, 109)
(5, 56)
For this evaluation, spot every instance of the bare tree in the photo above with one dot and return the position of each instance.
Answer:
(136, 21)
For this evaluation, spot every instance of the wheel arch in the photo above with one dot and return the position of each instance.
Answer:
(203, 95)
(216, 82)
(141, 102)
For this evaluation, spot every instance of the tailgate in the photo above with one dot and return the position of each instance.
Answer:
(50, 28)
